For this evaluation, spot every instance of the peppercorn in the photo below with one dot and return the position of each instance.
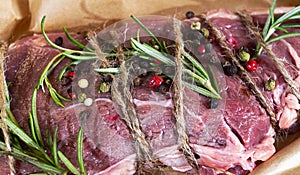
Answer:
(205, 32)
(201, 49)
(71, 93)
(163, 88)
(213, 103)
(81, 97)
(232, 42)
(270, 84)
(244, 56)
(156, 47)
(189, 14)
(65, 81)
(71, 74)
(155, 81)
(59, 41)
(196, 26)
(108, 78)
(229, 69)
(104, 87)
(251, 65)
(88, 102)
(83, 83)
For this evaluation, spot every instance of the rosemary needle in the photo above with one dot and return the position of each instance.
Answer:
(272, 25)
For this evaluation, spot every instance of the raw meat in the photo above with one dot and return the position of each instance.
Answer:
(230, 138)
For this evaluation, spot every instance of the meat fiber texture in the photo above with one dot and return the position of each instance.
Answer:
(230, 139)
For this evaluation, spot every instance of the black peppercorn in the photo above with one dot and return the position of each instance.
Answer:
(213, 103)
(229, 69)
(59, 41)
(65, 81)
(189, 14)
(163, 88)
(107, 78)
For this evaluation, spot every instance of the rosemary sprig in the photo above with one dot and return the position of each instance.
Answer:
(31, 149)
(38, 155)
(79, 151)
(272, 25)
(68, 163)
(144, 50)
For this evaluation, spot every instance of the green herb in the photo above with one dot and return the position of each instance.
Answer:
(68, 163)
(79, 151)
(31, 149)
(272, 25)
(36, 154)
(144, 50)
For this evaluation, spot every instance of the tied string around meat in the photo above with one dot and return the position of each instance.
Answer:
(279, 64)
(100, 55)
(243, 73)
(178, 100)
(121, 95)
(3, 103)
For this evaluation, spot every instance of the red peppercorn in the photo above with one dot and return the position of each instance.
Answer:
(201, 49)
(251, 65)
(71, 94)
(157, 61)
(232, 42)
(114, 117)
(155, 81)
(71, 74)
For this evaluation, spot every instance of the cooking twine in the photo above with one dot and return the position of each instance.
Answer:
(243, 72)
(3, 103)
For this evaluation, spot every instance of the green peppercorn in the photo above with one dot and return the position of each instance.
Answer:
(244, 56)
(270, 84)
(196, 26)
(81, 97)
(205, 32)
(104, 87)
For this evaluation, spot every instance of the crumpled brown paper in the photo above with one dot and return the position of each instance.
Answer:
(22, 17)
(284, 162)
(13, 14)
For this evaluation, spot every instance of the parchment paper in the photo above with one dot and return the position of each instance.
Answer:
(22, 17)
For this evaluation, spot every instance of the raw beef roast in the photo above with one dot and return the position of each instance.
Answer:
(231, 138)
